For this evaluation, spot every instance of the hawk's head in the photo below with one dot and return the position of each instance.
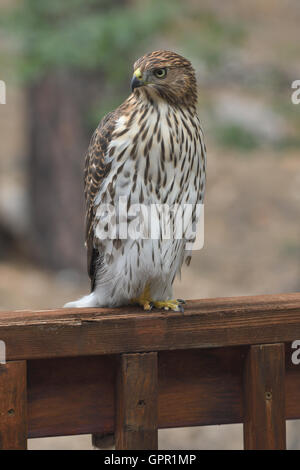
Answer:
(165, 75)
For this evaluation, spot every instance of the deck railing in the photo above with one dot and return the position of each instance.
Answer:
(128, 372)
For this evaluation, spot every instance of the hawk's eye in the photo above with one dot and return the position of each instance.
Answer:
(160, 73)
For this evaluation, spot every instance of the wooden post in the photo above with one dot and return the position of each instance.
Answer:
(103, 441)
(13, 405)
(137, 402)
(264, 398)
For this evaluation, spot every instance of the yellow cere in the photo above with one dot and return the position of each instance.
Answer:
(138, 74)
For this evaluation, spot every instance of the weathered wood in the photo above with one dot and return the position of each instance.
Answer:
(13, 405)
(71, 396)
(196, 387)
(200, 387)
(264, 398)
(205, 324)
(76, 395)
(136, 402)
(201, 357)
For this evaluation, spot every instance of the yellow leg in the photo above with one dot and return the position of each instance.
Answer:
(144, 300)
(147, 303)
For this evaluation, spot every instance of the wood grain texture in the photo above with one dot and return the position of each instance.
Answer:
(136, 425)
(200, 387)
(72, 361)
(264, 398)
(71, 396)
(13, 406)
(205, 324)
(195, 387)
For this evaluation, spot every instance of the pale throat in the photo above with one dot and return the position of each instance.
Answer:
(150, 95)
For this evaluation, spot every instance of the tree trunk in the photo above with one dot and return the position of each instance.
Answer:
(59, 138)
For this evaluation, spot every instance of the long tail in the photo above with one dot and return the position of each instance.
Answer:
(86, 301)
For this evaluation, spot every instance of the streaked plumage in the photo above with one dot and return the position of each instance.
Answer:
(149, 150)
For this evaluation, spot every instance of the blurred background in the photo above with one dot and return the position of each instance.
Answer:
(66, 64)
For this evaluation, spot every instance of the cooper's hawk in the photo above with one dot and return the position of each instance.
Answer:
(148, 152)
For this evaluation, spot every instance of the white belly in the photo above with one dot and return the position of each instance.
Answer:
(163, 169)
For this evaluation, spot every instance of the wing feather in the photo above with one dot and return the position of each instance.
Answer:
(96, 169)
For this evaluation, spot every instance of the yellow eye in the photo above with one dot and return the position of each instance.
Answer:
(160, 73)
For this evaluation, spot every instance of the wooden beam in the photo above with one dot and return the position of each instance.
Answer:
(136, 402)
(70, 396)
(205, 324)
(13, 404)
(76, 395)
(264, 398)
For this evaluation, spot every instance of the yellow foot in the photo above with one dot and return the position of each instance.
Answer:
(144, 300)
(147, 303)
(175, 305)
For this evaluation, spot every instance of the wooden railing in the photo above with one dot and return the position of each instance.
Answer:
(129, 372)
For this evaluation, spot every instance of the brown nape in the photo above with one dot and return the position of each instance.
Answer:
(178, 87)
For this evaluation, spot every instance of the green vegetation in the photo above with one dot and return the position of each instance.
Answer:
(291, 248)
(208, 37)
(91, 34)
(282, 104)
(84, 35)
(106, 36)
(234, 136)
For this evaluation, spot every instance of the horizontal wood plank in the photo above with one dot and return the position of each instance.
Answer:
(205, 324)
(71, 396)
(195, 387)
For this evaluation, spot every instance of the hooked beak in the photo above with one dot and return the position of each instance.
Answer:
(135, 83)
(137, 79)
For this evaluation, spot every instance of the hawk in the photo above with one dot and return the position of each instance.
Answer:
(149, 152)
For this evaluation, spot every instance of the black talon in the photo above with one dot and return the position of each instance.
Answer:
(181, 309)
(181, 301)
(151, 304)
